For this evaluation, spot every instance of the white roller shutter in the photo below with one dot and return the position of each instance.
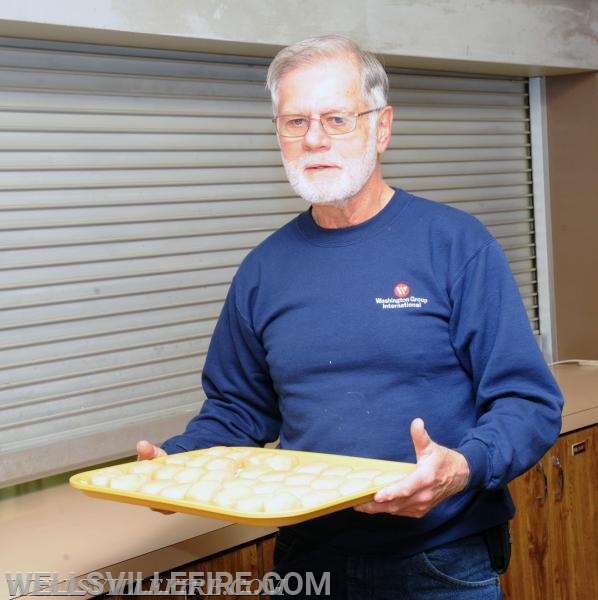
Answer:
(132, 183)
(465, 141)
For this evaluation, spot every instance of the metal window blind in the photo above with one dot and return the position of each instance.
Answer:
(132, 183)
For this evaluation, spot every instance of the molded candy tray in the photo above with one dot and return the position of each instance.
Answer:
(254, 486)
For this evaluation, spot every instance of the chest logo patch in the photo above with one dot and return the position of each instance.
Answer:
(401, 290)
(402, 298)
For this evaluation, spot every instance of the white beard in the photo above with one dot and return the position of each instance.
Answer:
(353, 177)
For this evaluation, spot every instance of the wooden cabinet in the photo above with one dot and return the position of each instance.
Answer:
(555, 530)
(254, 557)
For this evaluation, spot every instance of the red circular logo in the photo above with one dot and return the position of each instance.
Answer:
(401, 290)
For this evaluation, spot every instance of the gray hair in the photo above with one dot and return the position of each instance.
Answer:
(374, 80)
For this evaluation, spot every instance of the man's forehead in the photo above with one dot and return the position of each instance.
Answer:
(334, 81)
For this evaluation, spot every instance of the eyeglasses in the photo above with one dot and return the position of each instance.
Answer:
(333, 123)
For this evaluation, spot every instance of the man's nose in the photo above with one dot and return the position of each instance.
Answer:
(316, 136)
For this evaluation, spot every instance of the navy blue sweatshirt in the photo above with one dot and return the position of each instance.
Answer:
(334, 340)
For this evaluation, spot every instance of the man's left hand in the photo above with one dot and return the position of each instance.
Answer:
(440, 473)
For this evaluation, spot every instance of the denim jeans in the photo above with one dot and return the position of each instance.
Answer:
(460, 570)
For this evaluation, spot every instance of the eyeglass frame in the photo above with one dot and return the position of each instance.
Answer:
(332, 112)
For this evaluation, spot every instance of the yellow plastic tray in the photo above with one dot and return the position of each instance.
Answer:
(83, 481)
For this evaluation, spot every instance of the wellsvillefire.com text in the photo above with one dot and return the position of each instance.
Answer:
(177, 583)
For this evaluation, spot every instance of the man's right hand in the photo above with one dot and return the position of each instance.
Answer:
(146, 450)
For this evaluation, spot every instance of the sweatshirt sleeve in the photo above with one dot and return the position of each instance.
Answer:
(518, 403)
(241, 407)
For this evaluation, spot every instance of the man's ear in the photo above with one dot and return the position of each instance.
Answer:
(384, 128)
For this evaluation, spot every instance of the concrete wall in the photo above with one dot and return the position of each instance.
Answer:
(491, 36)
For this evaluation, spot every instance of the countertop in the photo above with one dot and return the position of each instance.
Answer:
(579, 384)
(60, 530)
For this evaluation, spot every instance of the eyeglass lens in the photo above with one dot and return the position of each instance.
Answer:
(332, 123)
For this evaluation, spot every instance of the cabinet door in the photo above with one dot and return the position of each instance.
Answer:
(574, 521)
(528, 575)
(265, 549)
(244, 559)
(555, 554)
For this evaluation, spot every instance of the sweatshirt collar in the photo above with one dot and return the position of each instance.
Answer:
(345, 236)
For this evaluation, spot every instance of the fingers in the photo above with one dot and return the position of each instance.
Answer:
(405, 488)
(425, 487)
(412, 483)
(409, 497)
(413, 496)
(147, 451)
(416, 511)
(421, 440)
(440, 473)
(162, 512)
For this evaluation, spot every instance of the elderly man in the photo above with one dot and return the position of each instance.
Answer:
(365, 317)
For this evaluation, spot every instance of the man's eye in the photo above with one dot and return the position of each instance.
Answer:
(297, 122)
(336, 120)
